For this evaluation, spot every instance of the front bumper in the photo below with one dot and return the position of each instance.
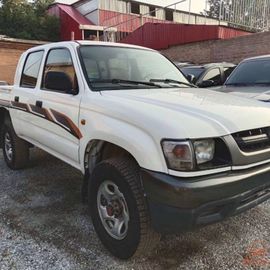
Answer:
(182, 204)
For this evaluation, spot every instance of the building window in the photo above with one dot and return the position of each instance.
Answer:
(135, 8)
(169, 15)
(152, 11)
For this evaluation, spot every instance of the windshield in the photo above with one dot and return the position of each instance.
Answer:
(251, 73)
(113, 68)
(193, 71)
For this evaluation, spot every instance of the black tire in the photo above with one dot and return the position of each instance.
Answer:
(20, 149)
(140, 238)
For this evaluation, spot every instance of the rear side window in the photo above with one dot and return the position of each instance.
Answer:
(31, 69)
(59, 60)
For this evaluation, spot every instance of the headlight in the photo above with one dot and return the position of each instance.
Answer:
(204, 150)
(179, 155)
(187, 155)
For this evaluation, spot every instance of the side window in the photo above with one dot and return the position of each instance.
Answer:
(59, 60)
(31, 69)
(213, 75)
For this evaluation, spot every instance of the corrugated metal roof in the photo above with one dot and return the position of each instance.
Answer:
(74, 14)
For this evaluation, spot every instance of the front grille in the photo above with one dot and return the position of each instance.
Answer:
(253, 140)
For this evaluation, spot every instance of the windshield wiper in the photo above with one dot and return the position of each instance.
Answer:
(119, 81)
(168, 81)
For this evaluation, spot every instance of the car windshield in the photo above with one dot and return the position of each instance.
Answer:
(255, 72)
(193, 71)
(117, 68)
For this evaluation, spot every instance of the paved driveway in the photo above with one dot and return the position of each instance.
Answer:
(43, 225)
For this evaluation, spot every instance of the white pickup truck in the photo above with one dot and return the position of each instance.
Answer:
(158, 155)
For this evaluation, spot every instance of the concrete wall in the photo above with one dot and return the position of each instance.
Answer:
(231, 50)
(10, 52)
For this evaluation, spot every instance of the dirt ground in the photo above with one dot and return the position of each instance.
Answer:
(44, 225)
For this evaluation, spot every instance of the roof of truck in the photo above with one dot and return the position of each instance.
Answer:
(89, 43)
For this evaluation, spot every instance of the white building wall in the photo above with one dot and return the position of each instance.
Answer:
(114, 5)
(90, 10)
(144, 9)
(160, 14)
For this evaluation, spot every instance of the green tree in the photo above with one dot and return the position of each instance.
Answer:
(28, 20)
(219, 8)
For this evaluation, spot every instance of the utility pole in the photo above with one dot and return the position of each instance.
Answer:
(189, 11)
(220, 7)
(206, 5)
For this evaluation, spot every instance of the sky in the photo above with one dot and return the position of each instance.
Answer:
(197, 6)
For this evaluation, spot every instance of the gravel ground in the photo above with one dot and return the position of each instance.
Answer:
(43, 225)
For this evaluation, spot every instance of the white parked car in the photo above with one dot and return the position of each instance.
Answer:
(157, 154)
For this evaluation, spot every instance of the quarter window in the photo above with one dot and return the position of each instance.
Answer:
(31, 69)
(59, 60)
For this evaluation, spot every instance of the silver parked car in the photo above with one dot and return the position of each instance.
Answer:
(250, 79)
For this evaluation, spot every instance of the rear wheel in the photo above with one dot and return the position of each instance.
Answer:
(15, 150)
(119, 210)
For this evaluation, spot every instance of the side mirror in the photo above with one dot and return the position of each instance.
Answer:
(190, 78)
(207, 83)
(59, 81)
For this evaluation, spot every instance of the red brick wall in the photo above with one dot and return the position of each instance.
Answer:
(231, 50)
(10, 53)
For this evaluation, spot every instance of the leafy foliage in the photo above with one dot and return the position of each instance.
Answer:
(218, 7)
(28, 20)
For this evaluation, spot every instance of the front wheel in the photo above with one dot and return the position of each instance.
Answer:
(15, 150)
(118, 209)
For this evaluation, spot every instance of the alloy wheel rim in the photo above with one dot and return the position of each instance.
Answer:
(8, 147)
(113, 210)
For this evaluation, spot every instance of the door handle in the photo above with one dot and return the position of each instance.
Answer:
(39, 103)
(16, 99)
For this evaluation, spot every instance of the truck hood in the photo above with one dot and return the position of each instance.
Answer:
(258, 92)
(191, 112)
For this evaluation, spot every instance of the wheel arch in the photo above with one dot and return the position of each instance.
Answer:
(4, 116)
(99, 150)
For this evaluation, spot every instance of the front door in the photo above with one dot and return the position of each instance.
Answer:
(57, 127)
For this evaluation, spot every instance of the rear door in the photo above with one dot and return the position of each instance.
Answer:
(24, 92)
